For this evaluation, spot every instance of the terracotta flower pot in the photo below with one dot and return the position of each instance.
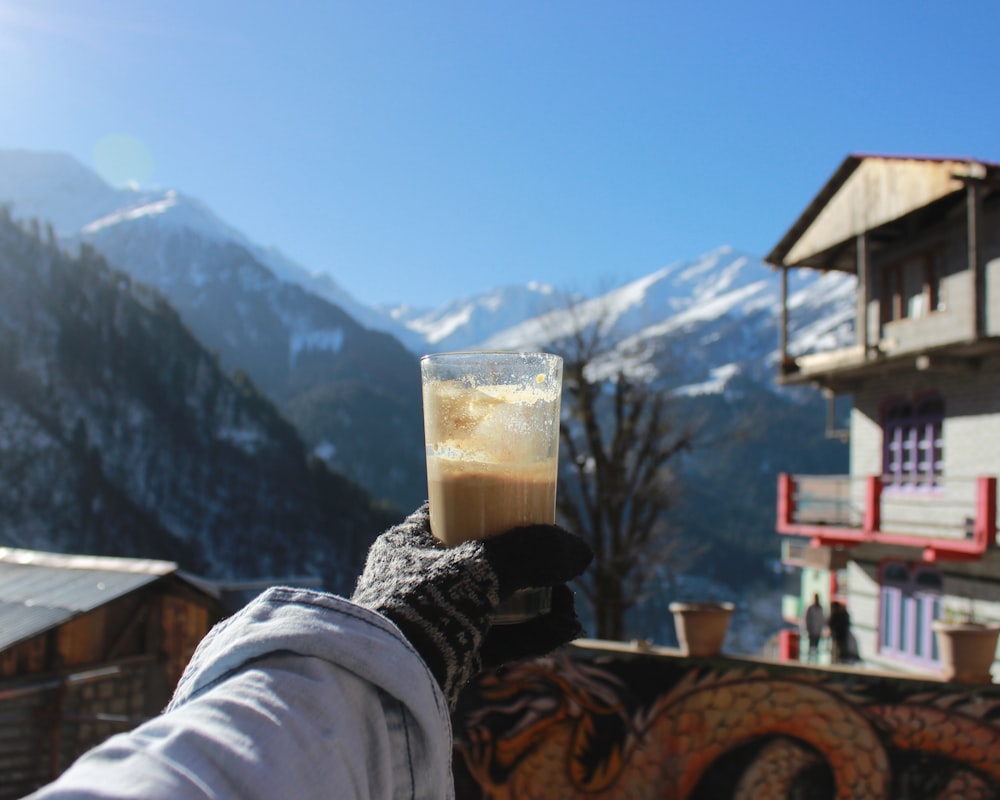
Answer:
(701, 627)
(967, 650)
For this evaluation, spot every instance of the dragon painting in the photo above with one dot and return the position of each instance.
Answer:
(571, 727)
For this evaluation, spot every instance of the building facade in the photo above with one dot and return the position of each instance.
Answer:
(908, 537)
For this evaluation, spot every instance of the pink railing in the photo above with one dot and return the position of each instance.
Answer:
(955, 520)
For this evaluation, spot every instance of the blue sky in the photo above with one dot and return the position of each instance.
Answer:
(425, 151)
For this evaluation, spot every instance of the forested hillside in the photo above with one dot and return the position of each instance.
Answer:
(120, 434)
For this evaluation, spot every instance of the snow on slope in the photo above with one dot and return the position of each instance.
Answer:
(58, 189)
(699, 298)
(828, 305)
(719, 283)
(723, 309)
(171, 208)
(461, 324)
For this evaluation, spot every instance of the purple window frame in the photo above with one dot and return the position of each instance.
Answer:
(907, 611)
(913, 443)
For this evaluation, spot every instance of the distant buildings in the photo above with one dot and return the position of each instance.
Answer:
(909, 536)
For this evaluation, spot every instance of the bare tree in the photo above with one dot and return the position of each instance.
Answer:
(619, 444)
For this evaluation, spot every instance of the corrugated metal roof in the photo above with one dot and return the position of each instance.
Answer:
(19, 622)
(41, 590)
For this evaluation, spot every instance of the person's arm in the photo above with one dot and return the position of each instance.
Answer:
(300, 695)
(306, 695)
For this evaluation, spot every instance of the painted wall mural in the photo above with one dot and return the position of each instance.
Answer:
(593, 724)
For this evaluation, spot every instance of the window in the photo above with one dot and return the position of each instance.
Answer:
(929, 455)
(911, 601)
(913, 444)
(912, 288)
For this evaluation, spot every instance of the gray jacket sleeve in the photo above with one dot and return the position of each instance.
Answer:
(300, 694)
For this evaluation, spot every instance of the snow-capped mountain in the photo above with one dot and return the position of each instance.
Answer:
(718, 316)
(706, 327)
(353, 392)
(58, 189)
(465, 323)
(723, 305)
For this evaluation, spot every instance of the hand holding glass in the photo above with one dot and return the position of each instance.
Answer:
(491, 428)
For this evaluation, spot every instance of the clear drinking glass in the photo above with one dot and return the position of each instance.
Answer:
(491, 428)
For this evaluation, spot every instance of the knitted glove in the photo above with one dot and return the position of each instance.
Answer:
(443, 598)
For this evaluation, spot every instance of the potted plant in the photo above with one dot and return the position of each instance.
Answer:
(967, 647)
(701, 627)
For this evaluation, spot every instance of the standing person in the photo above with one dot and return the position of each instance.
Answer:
(840, 629)
(815, 623)
(307, 695)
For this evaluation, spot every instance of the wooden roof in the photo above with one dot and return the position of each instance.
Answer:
(865, 193)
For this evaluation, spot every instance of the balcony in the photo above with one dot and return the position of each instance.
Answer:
(824, 365)
(838, 368)
(955, 521)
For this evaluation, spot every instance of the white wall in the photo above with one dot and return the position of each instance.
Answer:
(971, 433)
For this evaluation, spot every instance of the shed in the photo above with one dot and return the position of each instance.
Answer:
(89, 646)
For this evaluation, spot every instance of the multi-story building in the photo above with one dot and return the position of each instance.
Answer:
(910, 535)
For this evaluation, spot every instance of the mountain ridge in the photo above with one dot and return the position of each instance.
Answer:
(121, 435)
(704, 328)
(347, 376)
(324, 369)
